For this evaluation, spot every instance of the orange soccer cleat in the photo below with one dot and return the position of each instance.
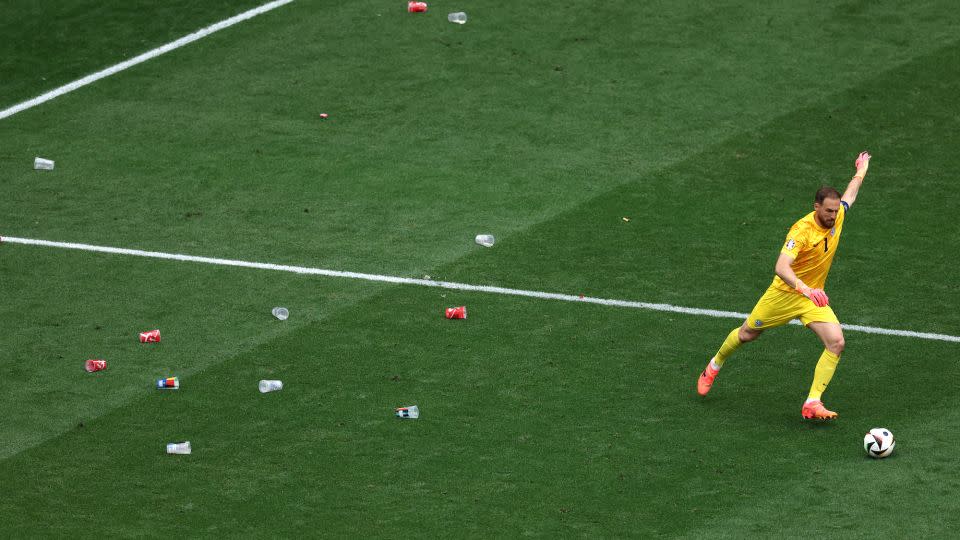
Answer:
(706, 379)
(816, 411)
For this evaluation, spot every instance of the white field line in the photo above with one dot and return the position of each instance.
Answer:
(450, 285)
(93, 77)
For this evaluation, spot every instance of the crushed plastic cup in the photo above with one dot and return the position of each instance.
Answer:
(459, 312)
(416, 7)
(281, 313)
(150, 336)
(168, 383)
(182, 448)
(270, 386)
(95, 365)
(485, 240)
(41, 164)
(408, 412)
(458, 17)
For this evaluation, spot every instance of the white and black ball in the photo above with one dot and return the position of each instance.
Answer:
(879, 442)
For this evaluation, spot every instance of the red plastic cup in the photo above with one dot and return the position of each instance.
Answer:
(416, 7)
(457, 312)
(152, 336)
(95, 365)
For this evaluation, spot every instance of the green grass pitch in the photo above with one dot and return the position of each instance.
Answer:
(708, 124)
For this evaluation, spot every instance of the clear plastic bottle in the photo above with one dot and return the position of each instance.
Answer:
(458, 17)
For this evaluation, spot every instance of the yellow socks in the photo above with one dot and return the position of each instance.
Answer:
(729, 345)
(822, 375)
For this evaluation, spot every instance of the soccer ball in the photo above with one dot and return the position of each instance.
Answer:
(879, 443)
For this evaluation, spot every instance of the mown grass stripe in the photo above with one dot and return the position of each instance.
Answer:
(451, 285)
(163, 49)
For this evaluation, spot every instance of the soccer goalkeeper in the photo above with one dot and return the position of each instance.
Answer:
(797, 291)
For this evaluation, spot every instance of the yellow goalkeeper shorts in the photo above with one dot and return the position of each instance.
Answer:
(778, 307)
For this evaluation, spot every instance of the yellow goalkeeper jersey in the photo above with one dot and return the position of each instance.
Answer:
(812, 248)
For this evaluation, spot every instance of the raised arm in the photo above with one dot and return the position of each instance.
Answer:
(862, 164)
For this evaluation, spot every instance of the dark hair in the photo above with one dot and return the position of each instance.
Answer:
(826, 192)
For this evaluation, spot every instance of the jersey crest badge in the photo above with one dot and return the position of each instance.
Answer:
(833, 231)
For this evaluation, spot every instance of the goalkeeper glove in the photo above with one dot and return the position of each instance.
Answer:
(817, 296)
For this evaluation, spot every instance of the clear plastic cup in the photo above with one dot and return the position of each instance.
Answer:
(458, 17)
(179, 448)
(41, 164)
(485, 240)
(270, 386)
(281, 313)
